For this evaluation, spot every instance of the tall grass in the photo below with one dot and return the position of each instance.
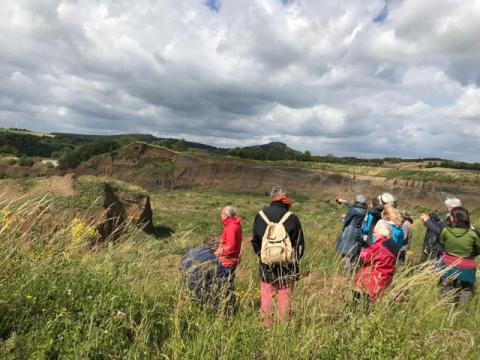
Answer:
(60, 299)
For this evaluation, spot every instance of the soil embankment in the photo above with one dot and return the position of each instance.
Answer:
(154, 168)
(104, 204)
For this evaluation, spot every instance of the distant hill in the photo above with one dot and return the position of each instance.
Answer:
(138, 137)
(273, 151)
(79, 147)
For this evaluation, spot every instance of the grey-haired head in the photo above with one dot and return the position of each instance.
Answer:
(278, 190)
(229, 211)
(361, 199)
(382, 229)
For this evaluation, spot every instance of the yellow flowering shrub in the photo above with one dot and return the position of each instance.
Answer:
(83, 233)
(8, 219)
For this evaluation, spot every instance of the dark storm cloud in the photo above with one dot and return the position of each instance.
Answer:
(364, 78)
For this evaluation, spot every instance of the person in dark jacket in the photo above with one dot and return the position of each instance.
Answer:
(432, 250)
(407, 227)
(278, 280)
(350, 241)
(202, 272)
(437, 227)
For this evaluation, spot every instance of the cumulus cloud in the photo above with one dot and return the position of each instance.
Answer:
(371, 78)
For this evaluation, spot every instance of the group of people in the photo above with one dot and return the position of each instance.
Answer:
(372, 242)
(454, 243)
(375, 240)
(277, 240)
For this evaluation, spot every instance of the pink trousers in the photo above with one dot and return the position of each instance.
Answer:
(284, 298)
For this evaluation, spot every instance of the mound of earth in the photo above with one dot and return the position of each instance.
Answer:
(100, 203)
(59, 185)
(154, 167)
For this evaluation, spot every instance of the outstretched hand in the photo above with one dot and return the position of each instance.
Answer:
(425, 217)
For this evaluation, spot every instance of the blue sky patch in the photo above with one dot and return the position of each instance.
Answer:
(382, 16)
(213, 5)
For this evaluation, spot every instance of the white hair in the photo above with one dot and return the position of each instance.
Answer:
(230, 211)
(383, 228)
(453, 203)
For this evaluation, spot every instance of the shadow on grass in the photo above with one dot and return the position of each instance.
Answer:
(161, 232)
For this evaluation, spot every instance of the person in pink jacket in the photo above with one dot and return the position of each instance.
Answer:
(229, 249)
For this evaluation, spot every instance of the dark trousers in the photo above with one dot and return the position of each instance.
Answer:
(226, 288)
(360, 302)
(462, 291)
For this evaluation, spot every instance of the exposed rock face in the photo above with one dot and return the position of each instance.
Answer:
(153, 167)
(117, 211)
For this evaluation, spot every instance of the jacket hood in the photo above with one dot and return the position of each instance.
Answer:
(457, 232)
(232, 220)
(279, 204)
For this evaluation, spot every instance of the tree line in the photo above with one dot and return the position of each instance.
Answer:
(72, 149)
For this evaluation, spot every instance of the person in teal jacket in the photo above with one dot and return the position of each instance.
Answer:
(395, 219)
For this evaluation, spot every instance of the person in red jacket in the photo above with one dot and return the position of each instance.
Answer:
(229, 249)
(379, 263)
(231, 240)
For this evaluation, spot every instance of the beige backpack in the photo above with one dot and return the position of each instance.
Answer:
(276, 244)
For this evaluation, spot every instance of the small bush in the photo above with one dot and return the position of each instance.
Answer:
(26, 161)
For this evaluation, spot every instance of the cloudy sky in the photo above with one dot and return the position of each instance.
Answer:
(365, 78)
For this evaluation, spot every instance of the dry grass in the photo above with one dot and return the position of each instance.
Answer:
(60, 300)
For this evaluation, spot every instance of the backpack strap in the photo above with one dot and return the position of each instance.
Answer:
(264, 217)
(285, 217)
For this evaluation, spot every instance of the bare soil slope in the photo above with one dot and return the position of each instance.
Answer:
(155, 167)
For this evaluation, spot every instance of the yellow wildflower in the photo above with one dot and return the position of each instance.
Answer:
(29, 297)
(82, 233)
(8, 219)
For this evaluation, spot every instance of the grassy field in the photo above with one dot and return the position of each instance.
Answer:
(438, 175)
(59, 299)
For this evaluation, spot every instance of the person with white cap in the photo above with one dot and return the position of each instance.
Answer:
(350, 241)
(388, 199)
